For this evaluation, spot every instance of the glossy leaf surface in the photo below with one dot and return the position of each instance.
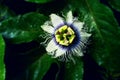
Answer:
(40, 67)
(2, 65)
(74, 71)
(105, 31)
(24, 28)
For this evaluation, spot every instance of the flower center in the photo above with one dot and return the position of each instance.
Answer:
(64, 35)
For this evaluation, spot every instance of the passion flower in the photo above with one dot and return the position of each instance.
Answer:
(67, 36)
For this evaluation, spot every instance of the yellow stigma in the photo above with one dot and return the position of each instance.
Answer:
(64, 35)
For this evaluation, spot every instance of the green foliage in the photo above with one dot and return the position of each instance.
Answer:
(24, 28)
(105, 29)
(74, 71)
(2, 66)
(115, 4)
(39, 1)
(99, 19)
(5, 13)
(40, 67)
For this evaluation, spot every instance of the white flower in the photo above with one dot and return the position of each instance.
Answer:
(67, 36)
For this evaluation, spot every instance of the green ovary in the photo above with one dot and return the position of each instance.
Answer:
(64, 35)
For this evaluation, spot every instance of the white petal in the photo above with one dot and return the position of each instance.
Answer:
(56, 20)
(47, 28)
(51, 46)
(84, 36)
(78, 24)
(69, 17)
(60, 52)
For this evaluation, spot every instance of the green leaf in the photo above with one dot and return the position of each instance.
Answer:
(99, 19)
(40, 67)
(5, 13)
(71, 71)
(2, 66)
(74, 71)
(26, 61)
(39, 1)
(115, 4)
(24, 28)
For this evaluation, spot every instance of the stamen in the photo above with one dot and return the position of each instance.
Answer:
(64, 35)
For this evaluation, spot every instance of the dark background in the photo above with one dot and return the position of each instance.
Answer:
(16, 64)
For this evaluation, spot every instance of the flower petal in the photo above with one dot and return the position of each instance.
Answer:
(47, 28)
(56, 20)
(51, 46)
(69, 17)
(60, 52)
(78, 24)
